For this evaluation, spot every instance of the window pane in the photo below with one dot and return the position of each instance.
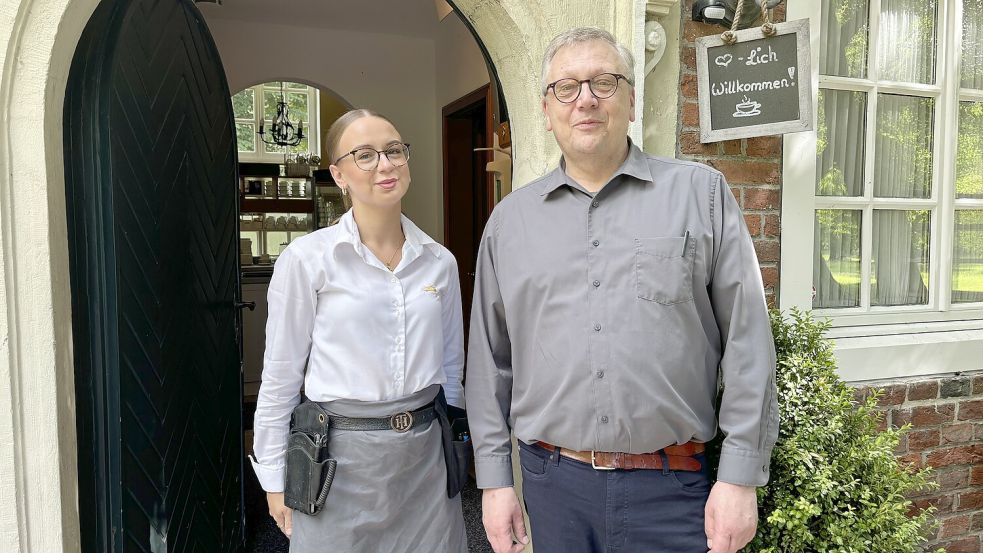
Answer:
(836, 267)
(843, 38)
(242, 104)
(270, 98)
(967, 257)
(899, 262)
(906, 43)
(302, 148)
(254, 245)
(839, 144)
(300, 86)
(903, 152)
(972, 50)
(297, 107)
(969, 155)
(246, 137)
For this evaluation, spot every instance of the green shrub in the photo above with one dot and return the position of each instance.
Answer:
(836, 486)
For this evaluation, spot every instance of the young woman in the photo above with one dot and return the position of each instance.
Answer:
(366, 314)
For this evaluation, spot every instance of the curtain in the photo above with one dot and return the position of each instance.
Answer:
(902, 166)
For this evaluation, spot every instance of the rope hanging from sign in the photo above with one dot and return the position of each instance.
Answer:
(728, 36)
(768, 29)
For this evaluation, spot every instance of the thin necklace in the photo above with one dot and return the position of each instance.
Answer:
(389, 264)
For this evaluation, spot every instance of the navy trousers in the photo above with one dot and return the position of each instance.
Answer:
(574, 508)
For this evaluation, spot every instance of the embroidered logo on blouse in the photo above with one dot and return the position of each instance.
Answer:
(433, 290)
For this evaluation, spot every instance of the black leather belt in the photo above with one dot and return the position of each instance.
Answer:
(398, 422)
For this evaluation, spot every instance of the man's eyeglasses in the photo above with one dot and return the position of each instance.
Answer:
(601, 86)
(367, 159)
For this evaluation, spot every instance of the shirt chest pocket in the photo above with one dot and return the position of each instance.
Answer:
(664, 269)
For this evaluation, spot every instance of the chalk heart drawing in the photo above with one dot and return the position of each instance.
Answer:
(724, 60)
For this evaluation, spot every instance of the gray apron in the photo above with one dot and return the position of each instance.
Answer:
(389, 493)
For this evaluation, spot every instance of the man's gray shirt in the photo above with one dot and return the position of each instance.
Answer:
(600, 322)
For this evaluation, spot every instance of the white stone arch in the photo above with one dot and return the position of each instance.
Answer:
(38, 465)
(515, 33)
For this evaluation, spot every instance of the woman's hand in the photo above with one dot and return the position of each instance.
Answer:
(280, 512)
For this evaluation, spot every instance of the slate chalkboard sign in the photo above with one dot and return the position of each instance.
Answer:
(757, 86)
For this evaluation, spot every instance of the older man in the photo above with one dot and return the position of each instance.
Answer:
(610, 296)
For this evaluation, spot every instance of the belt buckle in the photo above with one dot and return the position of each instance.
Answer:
(593, 463)
(401, 422)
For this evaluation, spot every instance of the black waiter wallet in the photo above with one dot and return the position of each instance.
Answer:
(456, 438)
(309, 470)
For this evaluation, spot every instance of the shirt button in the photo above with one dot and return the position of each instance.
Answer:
(393, 280)
(604, 419)
(595, 203)
(600, 374)
(597, 283)
(596, 243)
(597, 327)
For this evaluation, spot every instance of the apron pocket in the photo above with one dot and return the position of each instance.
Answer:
(663, 270)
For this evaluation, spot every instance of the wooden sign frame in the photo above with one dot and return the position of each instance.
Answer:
(800, 28)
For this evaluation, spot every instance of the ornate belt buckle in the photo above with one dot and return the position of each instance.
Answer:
(401, 422)
(593, 462)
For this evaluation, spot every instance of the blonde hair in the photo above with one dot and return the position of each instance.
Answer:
(586, 34)
(332, 138)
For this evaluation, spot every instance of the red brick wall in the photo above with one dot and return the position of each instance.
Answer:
(946, 413)
(946, 417)
(753, 166)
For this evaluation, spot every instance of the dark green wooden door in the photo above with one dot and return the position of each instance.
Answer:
(152, 205)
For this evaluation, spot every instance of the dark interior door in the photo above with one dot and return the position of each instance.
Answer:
(150, 162)
(467, 186)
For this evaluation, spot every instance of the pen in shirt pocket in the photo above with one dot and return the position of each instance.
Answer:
(685, 242)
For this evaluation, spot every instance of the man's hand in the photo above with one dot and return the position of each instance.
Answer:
(280, 512)
(502, 517)
(731, 517)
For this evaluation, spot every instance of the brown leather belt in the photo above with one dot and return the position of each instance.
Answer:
(680, 457)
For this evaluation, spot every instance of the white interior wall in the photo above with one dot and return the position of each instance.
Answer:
(460, 69)
(460, 65)
(396, 80)
(408, 79)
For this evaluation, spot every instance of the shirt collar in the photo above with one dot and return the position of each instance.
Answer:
(635, 165)
(415, 238)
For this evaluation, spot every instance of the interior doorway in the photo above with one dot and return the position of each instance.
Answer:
(468, 124)
(159, 385)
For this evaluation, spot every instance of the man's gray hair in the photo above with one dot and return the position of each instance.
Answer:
(587, 34)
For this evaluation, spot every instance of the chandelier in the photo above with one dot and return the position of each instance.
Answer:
(282, 131)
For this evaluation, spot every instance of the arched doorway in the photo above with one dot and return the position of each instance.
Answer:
(42, 36)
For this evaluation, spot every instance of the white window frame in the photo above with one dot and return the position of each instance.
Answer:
(311, 126)
(885, 342)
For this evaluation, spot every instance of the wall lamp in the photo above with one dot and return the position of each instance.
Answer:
(721, 12)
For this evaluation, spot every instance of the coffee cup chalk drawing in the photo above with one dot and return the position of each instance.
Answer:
(757, 86)
(747, 108)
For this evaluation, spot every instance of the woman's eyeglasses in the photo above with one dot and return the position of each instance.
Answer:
(367, 159)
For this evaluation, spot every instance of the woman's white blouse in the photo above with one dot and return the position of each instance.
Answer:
(361, 331)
